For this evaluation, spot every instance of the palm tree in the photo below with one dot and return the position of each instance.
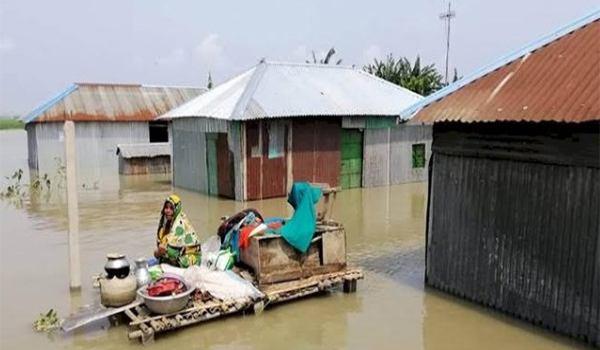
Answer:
(325, 60)
(422, 80)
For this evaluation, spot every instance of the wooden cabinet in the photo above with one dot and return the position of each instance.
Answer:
(274, 260)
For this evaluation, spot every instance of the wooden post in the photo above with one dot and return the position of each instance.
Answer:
(72, 207)
(289, 159)
(349, 286)
(244, 162)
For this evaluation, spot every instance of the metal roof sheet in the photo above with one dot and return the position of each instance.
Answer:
(555, 79)
(149, 150)
(276, 90)
(112, 102)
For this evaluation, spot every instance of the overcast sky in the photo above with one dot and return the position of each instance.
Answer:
(47, 45)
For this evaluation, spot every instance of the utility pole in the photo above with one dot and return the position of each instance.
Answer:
(447, 16)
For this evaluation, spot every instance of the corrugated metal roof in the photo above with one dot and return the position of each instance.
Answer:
(149, 150)
(272, 90)
(555, 79)
(112, 102)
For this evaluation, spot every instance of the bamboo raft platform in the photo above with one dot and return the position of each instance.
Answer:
(144, 326)
(277, 270)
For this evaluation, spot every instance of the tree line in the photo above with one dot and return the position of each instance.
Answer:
(422, 79)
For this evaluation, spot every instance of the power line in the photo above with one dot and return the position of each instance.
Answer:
(447, 16)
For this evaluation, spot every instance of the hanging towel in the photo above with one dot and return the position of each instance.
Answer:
(300, 229)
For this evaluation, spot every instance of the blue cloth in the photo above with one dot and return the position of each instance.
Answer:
(235, 246)
(300, 229)
(274, 220)
(153, 261)
(228, 240)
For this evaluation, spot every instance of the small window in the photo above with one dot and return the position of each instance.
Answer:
(418, 155)
(276, 140)
(159, 131)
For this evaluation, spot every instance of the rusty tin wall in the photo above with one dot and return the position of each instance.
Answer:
(316, 154)
(225, 178)
(266, 176)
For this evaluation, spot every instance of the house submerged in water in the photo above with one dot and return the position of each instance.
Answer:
(105, 115)
(514, 192)
(253, 136)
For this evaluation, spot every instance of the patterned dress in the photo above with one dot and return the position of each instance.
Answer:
(181, 241)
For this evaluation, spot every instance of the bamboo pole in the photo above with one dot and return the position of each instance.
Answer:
(72, 207)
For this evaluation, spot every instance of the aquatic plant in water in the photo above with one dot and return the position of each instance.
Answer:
(17, 191)
(47, 322)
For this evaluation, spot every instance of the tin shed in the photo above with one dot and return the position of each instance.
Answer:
(283, 122)
(144, 158)
(514, 186)
(105, 115)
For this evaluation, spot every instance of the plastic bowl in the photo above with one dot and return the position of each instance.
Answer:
(168, 304)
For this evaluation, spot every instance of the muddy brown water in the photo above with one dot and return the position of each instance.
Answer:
(392, 309)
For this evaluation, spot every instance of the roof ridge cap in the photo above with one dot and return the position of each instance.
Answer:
(305, 64)
(249, 90)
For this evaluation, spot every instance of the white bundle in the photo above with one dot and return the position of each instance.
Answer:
(210, 251)
(220, 284)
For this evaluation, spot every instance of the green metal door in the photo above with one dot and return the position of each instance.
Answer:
(211, 163)
(352, 154)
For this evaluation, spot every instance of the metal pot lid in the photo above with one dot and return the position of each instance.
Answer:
(115, 256)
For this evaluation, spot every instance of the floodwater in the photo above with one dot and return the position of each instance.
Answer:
(385, 237)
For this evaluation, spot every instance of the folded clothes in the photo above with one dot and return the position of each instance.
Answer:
(165, 287)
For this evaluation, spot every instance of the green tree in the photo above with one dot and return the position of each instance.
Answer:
(326, 59)
(422, 80)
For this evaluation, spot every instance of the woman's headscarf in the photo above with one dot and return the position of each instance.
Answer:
(180, 233)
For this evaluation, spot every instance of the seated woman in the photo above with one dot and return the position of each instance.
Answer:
(176, 240)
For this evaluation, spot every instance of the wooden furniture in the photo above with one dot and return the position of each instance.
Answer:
(329, 195)
(273, 260)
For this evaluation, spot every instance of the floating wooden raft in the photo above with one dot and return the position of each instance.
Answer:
(144, 326)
